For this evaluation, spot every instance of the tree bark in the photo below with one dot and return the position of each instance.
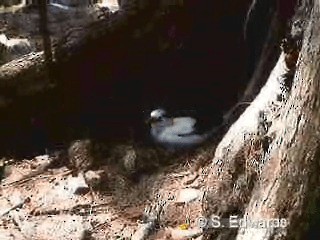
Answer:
(267, 165)
(44, 31)
(289, 179)
(24, 76)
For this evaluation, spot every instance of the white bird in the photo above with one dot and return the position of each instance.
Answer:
(177, 133)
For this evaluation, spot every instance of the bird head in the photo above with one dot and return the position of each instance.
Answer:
(157, 115)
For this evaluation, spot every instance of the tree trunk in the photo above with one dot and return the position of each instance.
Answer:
(267, 165)
(288, 187)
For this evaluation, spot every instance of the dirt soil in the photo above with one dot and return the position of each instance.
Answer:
(104, 203)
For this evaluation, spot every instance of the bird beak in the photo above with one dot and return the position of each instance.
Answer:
(150, 121)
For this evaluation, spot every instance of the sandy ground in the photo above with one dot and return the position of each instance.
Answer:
(104, 203)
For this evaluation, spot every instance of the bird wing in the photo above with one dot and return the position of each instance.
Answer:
(182, 126)
(173, 142)
(179, 134)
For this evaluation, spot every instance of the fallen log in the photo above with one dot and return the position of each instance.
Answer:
(30, 74)
(26, 74)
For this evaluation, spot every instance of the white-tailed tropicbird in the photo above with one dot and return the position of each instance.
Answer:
(176, 133)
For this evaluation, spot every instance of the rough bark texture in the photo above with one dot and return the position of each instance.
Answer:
(277, 157)
(291, 172)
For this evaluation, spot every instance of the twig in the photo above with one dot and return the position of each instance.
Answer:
(19, 205)
(33, 174)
